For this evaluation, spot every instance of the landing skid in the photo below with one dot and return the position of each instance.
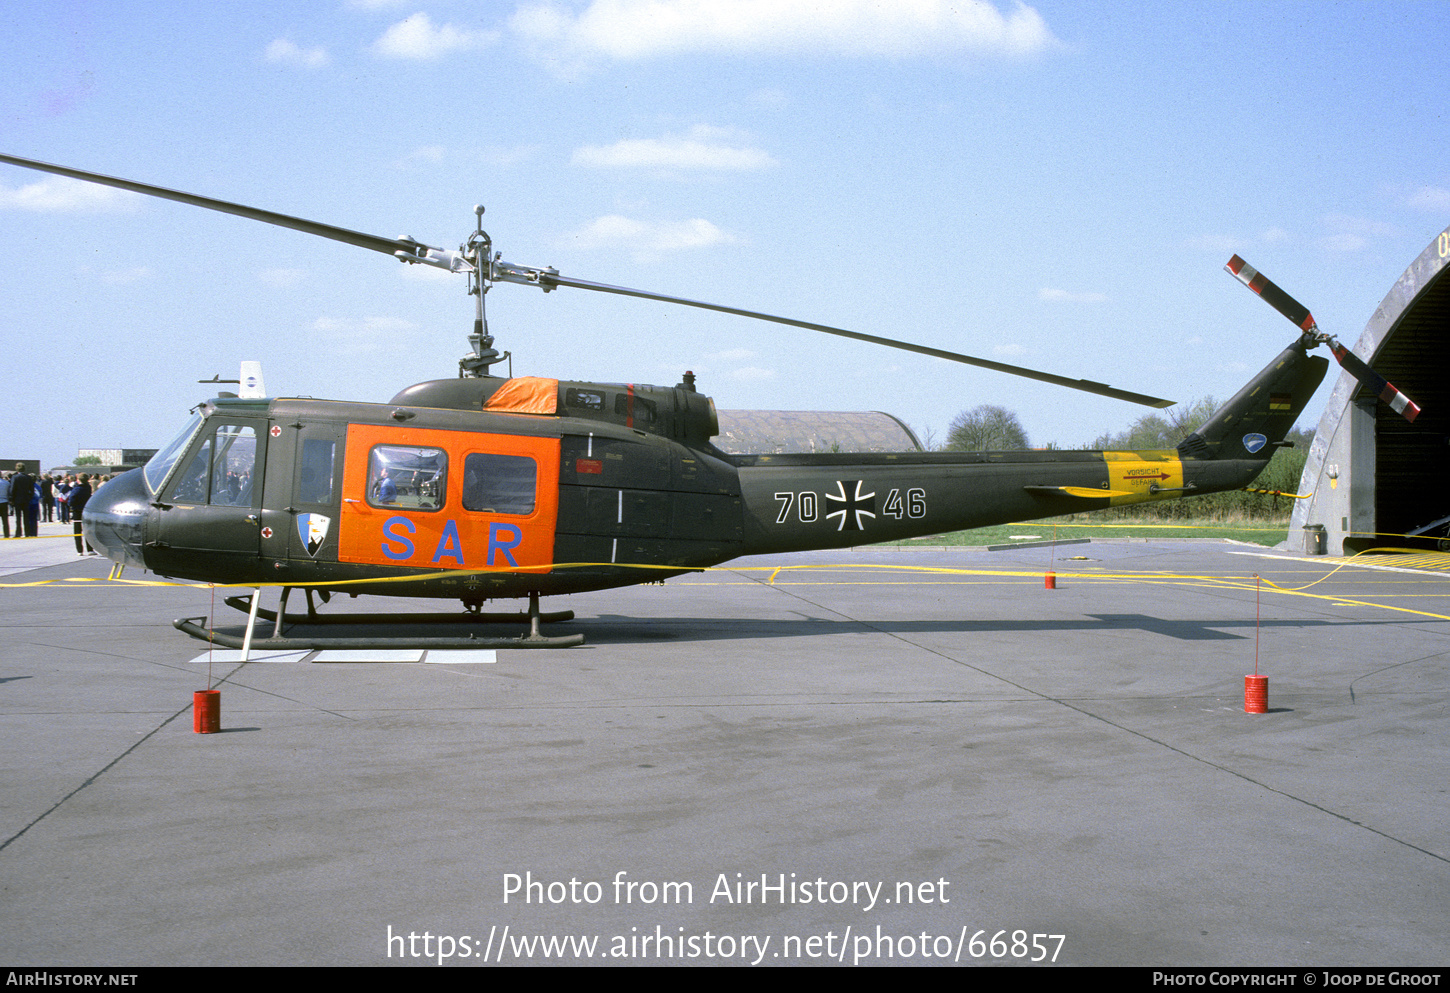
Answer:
(196, 627)
(244, 604)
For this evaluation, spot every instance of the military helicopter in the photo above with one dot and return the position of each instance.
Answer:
(481, 488)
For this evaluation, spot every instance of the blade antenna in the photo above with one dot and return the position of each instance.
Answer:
(1299, 314)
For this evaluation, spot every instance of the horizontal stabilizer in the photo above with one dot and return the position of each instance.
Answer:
(1083, 492)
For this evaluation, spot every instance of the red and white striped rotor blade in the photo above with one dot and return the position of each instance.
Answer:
(1375, 383)
(1399, 402)
(1271, 294)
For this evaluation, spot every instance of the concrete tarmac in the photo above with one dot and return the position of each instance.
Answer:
(872, 757)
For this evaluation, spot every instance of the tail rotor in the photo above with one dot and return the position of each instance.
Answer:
(1299, 315)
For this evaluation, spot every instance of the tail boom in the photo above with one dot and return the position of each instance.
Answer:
(799, 502)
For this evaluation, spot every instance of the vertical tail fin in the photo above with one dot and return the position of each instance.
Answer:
(1259, 416)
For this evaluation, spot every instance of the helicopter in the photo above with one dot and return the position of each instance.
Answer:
(479, 488)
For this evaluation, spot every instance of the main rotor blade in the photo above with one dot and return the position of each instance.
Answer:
(388, 246)
(1085, 385)
(414, 251)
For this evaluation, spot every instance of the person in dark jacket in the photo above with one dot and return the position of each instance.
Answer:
(22, 494)
(47, 498)
(79, 494)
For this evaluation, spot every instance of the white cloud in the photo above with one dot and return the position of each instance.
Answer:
(703, 148)
(647, 239)
(430, 156)
(752, 373)
(424, 156)
(1064, 296)
(285, 51)
(1352, 234)
(418, 38)
(366, 334)
(636, 29)
(282, 277)
(121, 277)
(1435, 199)
(60, 194)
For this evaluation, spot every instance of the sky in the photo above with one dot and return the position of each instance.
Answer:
(1055, 185)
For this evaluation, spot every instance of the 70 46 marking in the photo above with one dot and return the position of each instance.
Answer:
(807, 506)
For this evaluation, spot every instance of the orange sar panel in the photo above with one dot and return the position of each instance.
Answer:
(423, 521)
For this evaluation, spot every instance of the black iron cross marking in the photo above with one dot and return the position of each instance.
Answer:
(853, 508)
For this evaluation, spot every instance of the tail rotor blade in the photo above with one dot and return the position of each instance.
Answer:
(1271, 294)
(1375, 383)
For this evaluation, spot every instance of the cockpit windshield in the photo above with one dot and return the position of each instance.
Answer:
(160, 465)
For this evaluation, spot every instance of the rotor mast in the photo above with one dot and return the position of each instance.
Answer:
(479, 250)
(484, 267)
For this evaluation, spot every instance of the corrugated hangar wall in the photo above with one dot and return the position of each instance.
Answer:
(1371, 474)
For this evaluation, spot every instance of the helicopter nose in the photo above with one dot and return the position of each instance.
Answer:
(114, 518)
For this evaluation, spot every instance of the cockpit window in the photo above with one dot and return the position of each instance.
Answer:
(160, 465)
(221, 471)
(233, 469)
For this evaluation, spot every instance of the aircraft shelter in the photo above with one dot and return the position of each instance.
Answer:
(1372, 476)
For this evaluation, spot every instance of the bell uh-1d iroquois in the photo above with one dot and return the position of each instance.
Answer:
(479, 487)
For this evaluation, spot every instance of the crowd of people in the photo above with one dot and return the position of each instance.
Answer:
(49, 498)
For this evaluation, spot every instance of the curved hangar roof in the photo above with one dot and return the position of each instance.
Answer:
(1372, 474)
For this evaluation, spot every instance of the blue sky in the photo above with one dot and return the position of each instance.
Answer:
(1055, 185)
